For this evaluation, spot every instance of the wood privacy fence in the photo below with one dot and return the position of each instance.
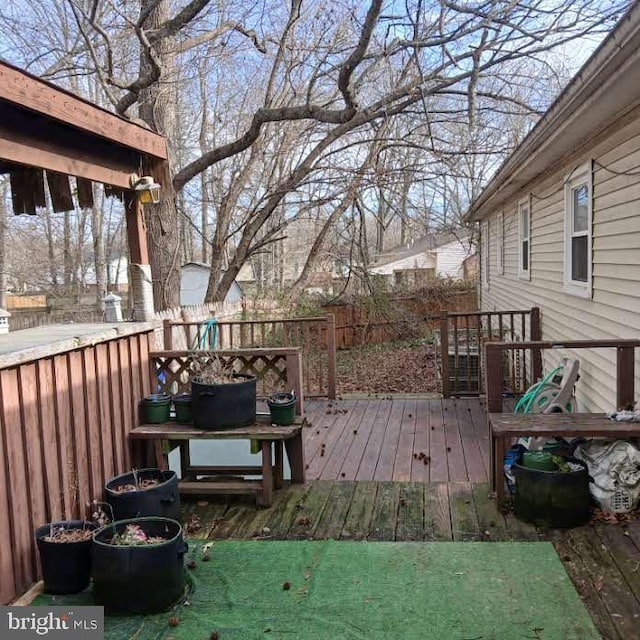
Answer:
(315, 336)
(408, 317)
(462, 337)
(65, 412)
(496, 353)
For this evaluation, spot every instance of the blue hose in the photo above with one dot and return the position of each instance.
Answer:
(207, 336)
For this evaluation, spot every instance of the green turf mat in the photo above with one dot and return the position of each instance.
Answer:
(368, 591)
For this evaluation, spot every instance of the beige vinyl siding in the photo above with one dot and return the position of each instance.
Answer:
(614, 310)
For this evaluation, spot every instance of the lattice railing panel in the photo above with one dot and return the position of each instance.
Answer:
(173, 374)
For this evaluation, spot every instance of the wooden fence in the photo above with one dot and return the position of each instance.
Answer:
(409, 317)
(65, 412)
(315, 336)
(462, 338)
(625, 366)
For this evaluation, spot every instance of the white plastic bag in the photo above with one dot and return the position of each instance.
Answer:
(614, 466)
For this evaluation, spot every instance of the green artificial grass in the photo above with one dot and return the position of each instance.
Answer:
(367, 591)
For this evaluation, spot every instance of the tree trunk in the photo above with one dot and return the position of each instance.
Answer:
(157, 110)
(99, 262)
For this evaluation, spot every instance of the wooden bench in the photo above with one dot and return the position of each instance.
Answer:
(504, 427)
(166, 437)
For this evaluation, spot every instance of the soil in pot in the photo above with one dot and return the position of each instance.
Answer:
(138, 565)
(65, 555)
(223, 405)
(142, 493)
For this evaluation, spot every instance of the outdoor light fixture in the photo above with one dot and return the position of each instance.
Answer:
(147, 190)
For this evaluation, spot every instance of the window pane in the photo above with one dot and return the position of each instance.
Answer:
(524, 222)
(525, 255)
(580, 208)
(579, 265)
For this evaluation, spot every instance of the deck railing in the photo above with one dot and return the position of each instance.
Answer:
(315, 336)
(497, 352)
(462, 337)
(65, 412)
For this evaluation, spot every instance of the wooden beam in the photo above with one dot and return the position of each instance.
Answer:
(136, 229)
(17, 146)
(30, 92)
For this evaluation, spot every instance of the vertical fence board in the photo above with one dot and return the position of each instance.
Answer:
(81, 487)
(115, 384)
(105, 403)
(128, 407)
(50, 439)
(32, 438)
(10, 531)
(66, 446)
(94, 433)
(136, 373)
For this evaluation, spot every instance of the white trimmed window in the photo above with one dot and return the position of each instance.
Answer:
(500, 244)
(524, 235)
(577, 232)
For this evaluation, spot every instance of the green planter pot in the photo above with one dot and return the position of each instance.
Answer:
(156, 408)
(283, 408)
(182, 405)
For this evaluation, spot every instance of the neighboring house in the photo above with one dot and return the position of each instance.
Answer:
(117, 275)
(560, 220)
(194, 279)
(441, 255)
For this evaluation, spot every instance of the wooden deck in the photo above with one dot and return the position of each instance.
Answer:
(405, 439)
(387, 494)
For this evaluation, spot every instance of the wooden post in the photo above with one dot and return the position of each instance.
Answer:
(493, 378)
(294, 377)
(140, 271)
(168, 334)
(536, 335)
(444, 353)
(332, 373)
(625, 373)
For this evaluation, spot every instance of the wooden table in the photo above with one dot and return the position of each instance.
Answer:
(165, 437)
(504, 427)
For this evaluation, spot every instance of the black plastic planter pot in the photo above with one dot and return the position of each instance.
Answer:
(182, 405)
(224, 406)
(156, 408)
(139, 578)
(554, 499)
(160, 500)
(66, 566)
(282, 407)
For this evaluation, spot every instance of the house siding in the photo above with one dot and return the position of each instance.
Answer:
(614, 310)
(450, 258)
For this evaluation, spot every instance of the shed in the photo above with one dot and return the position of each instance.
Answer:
(194, 279)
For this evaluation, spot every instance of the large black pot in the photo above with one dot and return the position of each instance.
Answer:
(224, 406)
(66, 566)
(162, 500)
(552, 499)
(139, 579)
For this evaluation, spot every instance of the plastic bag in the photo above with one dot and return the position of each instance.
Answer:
(614, 466)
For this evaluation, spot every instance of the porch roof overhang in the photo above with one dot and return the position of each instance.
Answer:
(605, 89)
(45, 127)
